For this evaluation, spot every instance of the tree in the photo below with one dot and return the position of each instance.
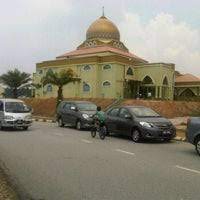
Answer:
(59, 79)
(14, 79)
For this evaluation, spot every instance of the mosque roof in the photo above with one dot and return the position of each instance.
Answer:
(98, 49)
(187, 78)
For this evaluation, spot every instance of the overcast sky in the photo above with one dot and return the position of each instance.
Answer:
(32, 31)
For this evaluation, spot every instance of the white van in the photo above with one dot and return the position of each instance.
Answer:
(15, 113)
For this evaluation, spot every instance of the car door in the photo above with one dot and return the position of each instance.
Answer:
(74, 114)
(125, 122)
(65, 113)
(112, 119)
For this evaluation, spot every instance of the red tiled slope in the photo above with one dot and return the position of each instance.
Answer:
(100, 49)
(187, 78)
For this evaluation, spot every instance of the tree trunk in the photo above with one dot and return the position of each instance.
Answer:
(60, 95)
(15, 93)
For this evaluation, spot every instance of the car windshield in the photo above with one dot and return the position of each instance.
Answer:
(86, 106)
(144, 112)
(16, 107)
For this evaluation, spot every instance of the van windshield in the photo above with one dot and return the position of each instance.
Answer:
(16, 107)
(86, 106)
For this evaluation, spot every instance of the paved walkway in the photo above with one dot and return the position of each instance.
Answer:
(6, 191)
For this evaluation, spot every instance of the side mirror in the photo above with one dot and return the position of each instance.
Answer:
(127, 117)
(74, 108)
(30, 109)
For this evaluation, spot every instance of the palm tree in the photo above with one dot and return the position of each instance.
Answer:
(59, 79)
(14, 79)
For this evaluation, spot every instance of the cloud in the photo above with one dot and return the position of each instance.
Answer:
(163, 39)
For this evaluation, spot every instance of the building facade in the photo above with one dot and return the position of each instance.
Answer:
(187, 87)
(107, 69)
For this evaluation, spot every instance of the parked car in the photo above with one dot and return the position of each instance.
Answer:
(139, 122)
(76, 113)
(15, 113)
(193, 132)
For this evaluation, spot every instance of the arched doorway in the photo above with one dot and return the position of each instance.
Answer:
(147, 88)
(165, 88)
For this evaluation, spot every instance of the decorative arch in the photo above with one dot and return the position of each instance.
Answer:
(106, 67)
(129, 71)
(87, 68)
(147, 80)
(187, 93)
(106, 84)
(86, 87)
(165, 81)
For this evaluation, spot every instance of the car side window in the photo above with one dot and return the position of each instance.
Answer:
(67, 106)
(123, 112)
(114, 112)
(1, 106)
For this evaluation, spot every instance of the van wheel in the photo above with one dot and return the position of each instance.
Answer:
(197, 145)
(25, 128)
(78, 125)
(60, 122)
(136, 137)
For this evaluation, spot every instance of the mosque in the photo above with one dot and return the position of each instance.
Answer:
(107, 69)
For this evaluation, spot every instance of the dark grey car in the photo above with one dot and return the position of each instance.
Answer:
(76, 113)
(193, 132)
(139, 122)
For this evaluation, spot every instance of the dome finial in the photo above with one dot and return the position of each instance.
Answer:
(103, 15)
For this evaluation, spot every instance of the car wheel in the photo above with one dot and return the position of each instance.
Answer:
(197, 145)
(60, 122)
(136, 137)
(78, 125)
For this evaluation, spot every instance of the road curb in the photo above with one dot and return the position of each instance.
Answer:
(44, 120)
(177, 138)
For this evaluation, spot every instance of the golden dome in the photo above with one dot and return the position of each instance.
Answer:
(104, 29)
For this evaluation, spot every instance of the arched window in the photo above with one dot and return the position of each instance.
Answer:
(87, 68)
(147, 80)
(86, 87)
(49, 88)
(105, 67)
(165, 81)
(129, 71)
(106, 84)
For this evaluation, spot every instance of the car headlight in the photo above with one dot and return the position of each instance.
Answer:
(28, 117)
(85, 116)
(8, 117)
(146, 124)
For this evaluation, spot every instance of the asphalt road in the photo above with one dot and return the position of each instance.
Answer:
(54, 163)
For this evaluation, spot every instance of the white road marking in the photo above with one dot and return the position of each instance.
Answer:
(187, 169)
(86, 141)
(127, 152)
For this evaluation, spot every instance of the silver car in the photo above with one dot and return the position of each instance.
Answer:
(14, 113)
